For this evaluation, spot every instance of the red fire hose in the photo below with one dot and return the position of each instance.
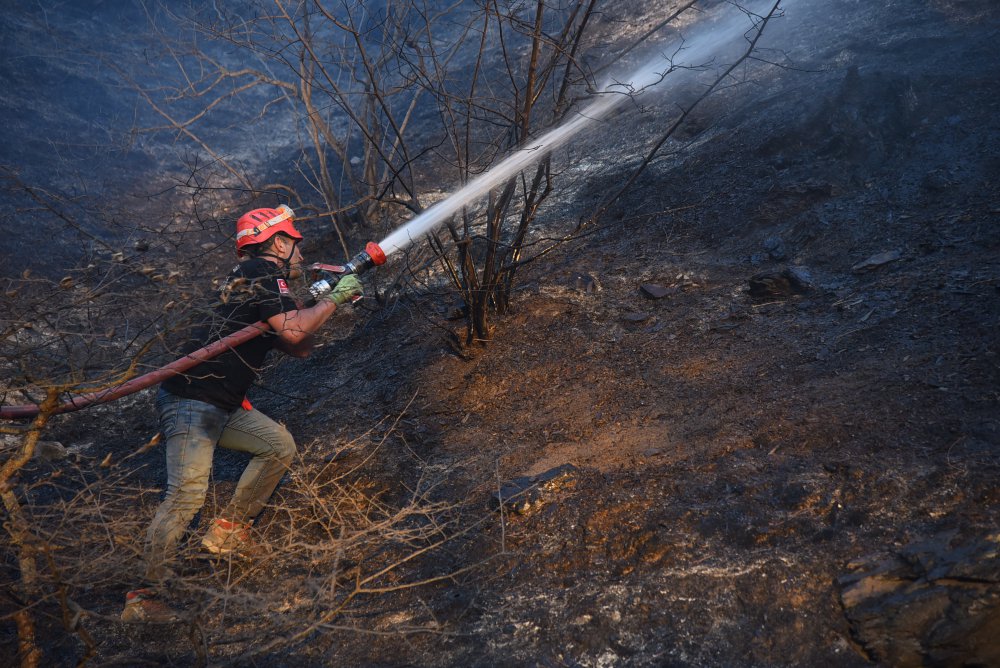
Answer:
(371, 256)
(144, 381)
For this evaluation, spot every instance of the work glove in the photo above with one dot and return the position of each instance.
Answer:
(348, 289)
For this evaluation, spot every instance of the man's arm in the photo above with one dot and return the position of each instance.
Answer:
(301, 349)
(295, 328)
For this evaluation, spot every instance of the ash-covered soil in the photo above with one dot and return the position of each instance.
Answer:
(741, 452)
(773, 364)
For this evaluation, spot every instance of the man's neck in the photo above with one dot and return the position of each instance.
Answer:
(282, 265)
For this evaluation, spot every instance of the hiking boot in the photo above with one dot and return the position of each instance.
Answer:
(141, 605)
(225, 538)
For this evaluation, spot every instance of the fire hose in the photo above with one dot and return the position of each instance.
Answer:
(326, 277)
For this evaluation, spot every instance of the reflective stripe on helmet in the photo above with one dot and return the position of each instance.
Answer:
(286, 213)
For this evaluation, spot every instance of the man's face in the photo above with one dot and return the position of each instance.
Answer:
(287, 249)
(296, 261)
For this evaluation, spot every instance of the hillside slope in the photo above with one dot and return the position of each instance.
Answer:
(742, 440)
(775, 357)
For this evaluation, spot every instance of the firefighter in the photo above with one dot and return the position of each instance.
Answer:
(207, 406)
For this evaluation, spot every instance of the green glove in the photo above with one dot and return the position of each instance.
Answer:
(347, 289)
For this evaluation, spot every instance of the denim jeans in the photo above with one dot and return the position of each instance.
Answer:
(191, 429)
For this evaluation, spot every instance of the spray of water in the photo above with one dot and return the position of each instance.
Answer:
(691, 55)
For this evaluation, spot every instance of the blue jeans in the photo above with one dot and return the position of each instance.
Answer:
(191, 429)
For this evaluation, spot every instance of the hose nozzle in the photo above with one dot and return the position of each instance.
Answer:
(371, 256)
(326, 276)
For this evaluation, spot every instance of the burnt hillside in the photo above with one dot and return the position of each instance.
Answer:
(749, 418)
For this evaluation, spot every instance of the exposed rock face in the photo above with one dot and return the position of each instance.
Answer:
(930, 604)
(527, 494)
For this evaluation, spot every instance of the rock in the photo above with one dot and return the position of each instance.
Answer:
(587, 283)
(527, 494)
(801, 276)
(50, 451)
(8, 442)
(780, 284)
(337, 456)
(931, 603)
(635, 317)
(724, 326)
(775, 247)
(654, 291)
(877, 260)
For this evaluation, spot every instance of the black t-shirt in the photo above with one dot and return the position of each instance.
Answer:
(254, 291)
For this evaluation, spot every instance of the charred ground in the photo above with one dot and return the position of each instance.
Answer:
(734, 451)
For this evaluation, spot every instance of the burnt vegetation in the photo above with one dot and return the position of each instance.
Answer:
(715, 383)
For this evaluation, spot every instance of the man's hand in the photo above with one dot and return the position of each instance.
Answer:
(296, 327)
(347, 289)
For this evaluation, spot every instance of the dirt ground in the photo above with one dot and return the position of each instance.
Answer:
(735, 450)
(776, 356)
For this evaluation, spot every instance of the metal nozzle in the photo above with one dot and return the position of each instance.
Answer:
(320, 288)
(371, 256)
(326, 276)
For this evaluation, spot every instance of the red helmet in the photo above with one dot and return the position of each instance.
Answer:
(259, 225)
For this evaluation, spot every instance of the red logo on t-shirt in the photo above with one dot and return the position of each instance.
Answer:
(282, 286)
